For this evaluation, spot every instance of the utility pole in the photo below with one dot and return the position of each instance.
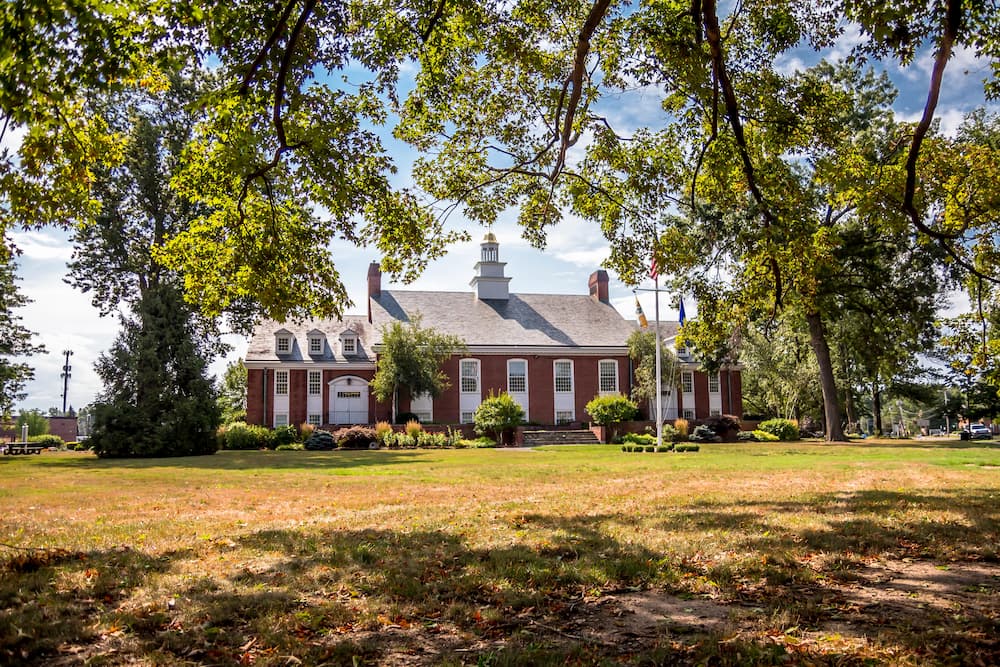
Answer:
(65, 375)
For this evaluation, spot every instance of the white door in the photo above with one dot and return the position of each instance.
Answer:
(349, 401)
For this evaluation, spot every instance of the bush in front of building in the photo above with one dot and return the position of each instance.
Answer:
(726, 427)
(639, 439)
(320, 441)
(284, 435)
(240, 435)
(354, 437)
(498, 416)
(704, 433)
(784, 429)
(46, 440)
(611, 409)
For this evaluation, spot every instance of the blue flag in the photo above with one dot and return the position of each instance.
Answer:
(682, 317)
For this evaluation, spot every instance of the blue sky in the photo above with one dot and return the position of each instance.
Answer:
(64, 319)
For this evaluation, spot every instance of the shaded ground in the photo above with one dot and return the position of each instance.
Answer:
(739, 555)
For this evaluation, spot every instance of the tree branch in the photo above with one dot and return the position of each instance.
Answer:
(265, 50)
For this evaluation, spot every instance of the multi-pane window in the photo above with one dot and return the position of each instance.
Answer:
(713, 383)
(517, 376)
(682, 351)
(608, 376)
(349, 345)
(284, 344)
(468, 417)
(687, 382)
(314, 419)
(688, 413)
(564, 417)
(281, 383)
(714, 412)
(563, 376)
(281, 419)
(315, 383)
(315, 345)
(470, 376)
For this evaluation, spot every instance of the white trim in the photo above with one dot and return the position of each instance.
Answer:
(310, 374)
(306, 363)
(550, 351)
(564, 401)
(287, 382)
(520, 396)
(601, 391)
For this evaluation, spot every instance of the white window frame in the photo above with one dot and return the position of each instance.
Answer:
(688, 413)
(314, 418)
(422, 406)
(315, 381)
(510, 387)
(283, 344)
(682, 350)
(687, 382)
(462, 377)
(349, 345)
(601, 365)
(467, 417)
(714, 384)
(555, 376)
(280, 419)
(715, 412)
(315, 345)
(280, 381)
(565, 417)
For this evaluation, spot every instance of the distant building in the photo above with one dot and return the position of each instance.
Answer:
(552, 352)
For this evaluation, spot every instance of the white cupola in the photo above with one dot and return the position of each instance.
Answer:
(489, 281)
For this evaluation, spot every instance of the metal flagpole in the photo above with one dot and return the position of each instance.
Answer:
(659, 390)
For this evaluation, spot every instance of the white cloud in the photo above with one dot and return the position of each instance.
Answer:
(43, 246)
(950, 118)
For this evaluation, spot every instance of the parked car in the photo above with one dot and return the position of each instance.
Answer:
(979, 432)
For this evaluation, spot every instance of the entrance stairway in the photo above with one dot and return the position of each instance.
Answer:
(582, 437)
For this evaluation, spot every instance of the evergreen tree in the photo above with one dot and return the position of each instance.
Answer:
(158, 399)
(15, 339)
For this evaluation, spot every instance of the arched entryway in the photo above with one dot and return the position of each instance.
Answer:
(348, 400)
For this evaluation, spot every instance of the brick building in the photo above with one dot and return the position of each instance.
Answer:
(552, 353)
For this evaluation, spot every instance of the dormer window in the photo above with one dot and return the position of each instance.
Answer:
(682, 351)
(348, 342)
(317, 340)
(283, 342)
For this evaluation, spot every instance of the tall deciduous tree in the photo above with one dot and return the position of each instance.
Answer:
(233, 392)
(157, 399)
(642, 350)
(411, 357)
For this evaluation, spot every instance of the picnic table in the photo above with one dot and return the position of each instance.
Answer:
(22, 448)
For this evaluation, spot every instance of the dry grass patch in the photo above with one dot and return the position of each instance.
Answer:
(737, 554)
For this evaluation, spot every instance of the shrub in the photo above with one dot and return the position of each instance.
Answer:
(671, 433)
(640, 439)
(686, 448)
(497, 416)
(284, 435)
(611, 409)
(764, 436)
(382, 429)
(724, 426)
(650, 448)
(433, 440)
(413, 429)
(478, 443)
(240, 435)
(406, 417)
(626, 448)
(785, 429)
(82, 447)
(354, 437)
(703, 433)
(665, 448)
(681, 425)
(306, 430)
(46, 440)
(320, 440)
(291, 447)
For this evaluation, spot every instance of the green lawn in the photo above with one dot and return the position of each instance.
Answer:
(874, 553)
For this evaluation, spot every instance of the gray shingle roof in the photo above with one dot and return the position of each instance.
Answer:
(261, 346)
(523, 320)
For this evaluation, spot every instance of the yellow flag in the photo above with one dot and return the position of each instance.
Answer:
(641, 316)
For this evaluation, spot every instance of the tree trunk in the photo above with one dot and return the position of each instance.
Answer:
(831, 404)
(877, 407)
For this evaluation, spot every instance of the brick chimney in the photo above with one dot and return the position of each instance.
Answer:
(598, 284)
(374, 286)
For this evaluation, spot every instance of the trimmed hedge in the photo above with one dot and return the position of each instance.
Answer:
(784, 429)
(240, 435)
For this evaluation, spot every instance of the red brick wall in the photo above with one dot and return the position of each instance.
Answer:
(255, 396)
(700, 395)
(64, 427)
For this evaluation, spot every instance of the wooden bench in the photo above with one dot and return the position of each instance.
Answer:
(22, 448)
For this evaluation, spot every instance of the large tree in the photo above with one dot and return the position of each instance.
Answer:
(157, 399)
(411, 357)
(15, 339)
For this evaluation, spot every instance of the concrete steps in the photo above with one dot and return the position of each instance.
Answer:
(538, 438)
